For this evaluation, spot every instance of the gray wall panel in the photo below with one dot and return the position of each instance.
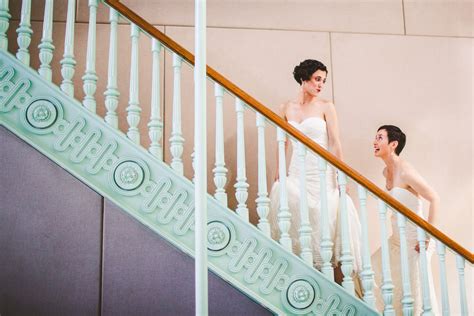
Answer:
(50, 236)
(144, 275)
(51, 231)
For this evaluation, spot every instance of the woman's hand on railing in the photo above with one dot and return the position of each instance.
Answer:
(427, 244)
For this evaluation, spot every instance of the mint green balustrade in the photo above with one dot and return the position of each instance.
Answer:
(241, 185)
(46, 47)
(284, 215)
(155, 125)
(346, 257)
(220, 171)
(90, 76)
(424, 276)
(112, 93)
(367, 274)
(24, 32)
(176, 139)
(133, 109)
(152, 193)
(263, 202)
(305, 226)
(407, 299)
(387, 284)
(441, 250)
(460, 262)
(4, 24)
(326, 239)
(68, 63)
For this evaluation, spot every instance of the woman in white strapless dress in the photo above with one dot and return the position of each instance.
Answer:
(317, 119)
(407, 186)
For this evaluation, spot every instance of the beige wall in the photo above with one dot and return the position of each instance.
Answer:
(407, 63)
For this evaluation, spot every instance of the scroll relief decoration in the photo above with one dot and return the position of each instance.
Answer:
(130, 176)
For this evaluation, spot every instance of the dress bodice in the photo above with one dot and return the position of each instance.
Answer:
(414, 203)
(315, 128)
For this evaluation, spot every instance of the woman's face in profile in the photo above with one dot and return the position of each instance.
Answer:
(315, 84)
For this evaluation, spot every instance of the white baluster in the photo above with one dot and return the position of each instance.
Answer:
(155, 125)
(241, 186)
(284, 215)
(441, 250)
(90, 76)
(346, 256)
(387, 285)
(24, 33)
(193, 164)
(4, 24)
(407, 299)
(462, 285)
(305, 227)
(425, 288)
(326, 240)
(46, 46)
(367, 275)
(68, 63)
(176, 139)
(133, 109)
(263, 202)
(220, 171)
(111, 93)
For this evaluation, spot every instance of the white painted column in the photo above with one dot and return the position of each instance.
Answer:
(367, 275)
(112, 94)
(387, 284)
(24, 33)
(346, 256)
(176, 139)
(200, 185)
(220, 171)
(460, 263)
(46, 46)
(134, 109)
(4, 24)
(441, 250)
(68, 63)
(155, 125)
(305, 227)
(241, 186)
(284, 215)
(326, 240)
(263, 202)
(90, 76)
(407, 299)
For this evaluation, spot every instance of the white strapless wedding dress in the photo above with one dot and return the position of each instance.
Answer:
(315, 128)
(414, 203)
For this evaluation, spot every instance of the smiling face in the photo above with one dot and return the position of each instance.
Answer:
(315, 84)
(382, 148)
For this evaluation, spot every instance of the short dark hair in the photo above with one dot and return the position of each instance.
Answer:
(394, 133)
(306, 69)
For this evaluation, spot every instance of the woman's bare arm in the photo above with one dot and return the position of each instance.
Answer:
(333, 130)
(411, 177)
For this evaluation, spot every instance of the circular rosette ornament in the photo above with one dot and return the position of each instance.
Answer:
(128, 175)
(219, 236)
(300, 295)
(41, 115)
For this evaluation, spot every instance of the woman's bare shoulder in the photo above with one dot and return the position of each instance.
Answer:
(407, 171)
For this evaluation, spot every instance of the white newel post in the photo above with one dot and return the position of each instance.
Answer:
(200, 185)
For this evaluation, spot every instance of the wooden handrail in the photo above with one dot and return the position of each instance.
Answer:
(280, 122)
